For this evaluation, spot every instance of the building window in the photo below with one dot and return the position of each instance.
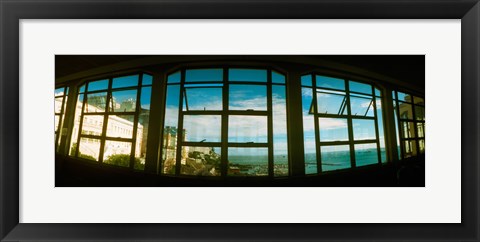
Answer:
(225, 122)
(61, 95)
(410, 123)
(111, 121)
(342, 122)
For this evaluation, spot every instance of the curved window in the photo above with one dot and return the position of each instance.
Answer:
(342, 122)
(225, 122)
(111, 121)
(61, 95)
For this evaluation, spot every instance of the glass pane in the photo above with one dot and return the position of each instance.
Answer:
(174, 78)
(421, 130)
(247, 161)
(202, 128)
(421, 143)
(397, 132)
(360, 106)
(404, 97)
(97, 85)
(306, 80)
(248, 97)
(58, 104)
(96, 102)
(419, 112)
(410, 148)
(117, 153)
(335, 157)
(366, 154)
(381, 134)
(248, 75)
(330, 82)
(142, 129)
(147, 79)
(120, 126)
(203, 99)
(378, 93)
(418, 101)
(123, 101)
(247, 129)
(278, 78)
(82, 89)
(89, 149)
(405, 110)
(76, 125)
(92, 125)
(308, 132)
(201, 161)
(169, 149)
(360, 87)
(331, 102)
(363, 129)
(57, 121)
(59, 91)
(333, 129)
(408, 130)
(125, 81)
(280, 147)
(204, 75)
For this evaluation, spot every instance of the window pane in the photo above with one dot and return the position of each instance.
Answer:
(306, 80)
(97, 85)
(82, 89)
(418, 101)
(277, 77)
(142, 129)
(408, 130)
(366, 154)
(147, 79)
(202, 128)
(280, 148)
(58, 104)
(421, 130)
(120, 126)
(247, 161)
(405, 110)
(404, 97)
(331, 102)
(169, 149)
(57, 121)
(125, 81)
(123, 101)
(59, 91)
(360, 87)
(381, 134)
(96, 102)
(410, 148)
(363, 129)
(335, 157)
(333, 129)
(203, 99)
(308, 132)
(76, 125)
(397, 132)
(419, 112)
(361, 106)
(378, 93)
(422, 146)
(201, 161)
(92, 125)
(117, 153)
(174, 78)
(248, 75)
(330, 82)
(204, 75)
(89, 149)
(248, 97)
(246, 129)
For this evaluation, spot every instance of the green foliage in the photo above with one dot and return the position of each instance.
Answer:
(124, 160)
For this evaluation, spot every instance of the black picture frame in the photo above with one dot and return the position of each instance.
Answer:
(13, 11)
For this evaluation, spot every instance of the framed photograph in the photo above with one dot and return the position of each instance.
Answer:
(239, 120)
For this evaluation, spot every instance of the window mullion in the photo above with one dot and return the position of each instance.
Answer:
(224, 132)
(377, 135)
(180, 134)
(350, 126)
(270, 124)
(105, 121)
(317, 126)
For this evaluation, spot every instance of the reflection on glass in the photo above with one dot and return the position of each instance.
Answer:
(335, 157)
(202, 128)
(421, 130)
(408, 129)
(331, 102)
(92, 125)
(120, 126)
(361, 106)
(278, 78)
(279, 116)
(333, 129)
(419, 112)
(410, 148)
(330, 82)
(204, 75)
(248, 75)
(125, 81)
(174, 78)
(366, 154)
(76, 125)
(247, 129)
(117, 153)
(169, 144)
(247, 161)
(360, 87)
(203, 99)
(405, 110)
(248, 97)
(201, 161)
(123, 101)
(306, 80)
(96, 102)
(308, 132)
(89, 149)
(97, 85)
(363, 129)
